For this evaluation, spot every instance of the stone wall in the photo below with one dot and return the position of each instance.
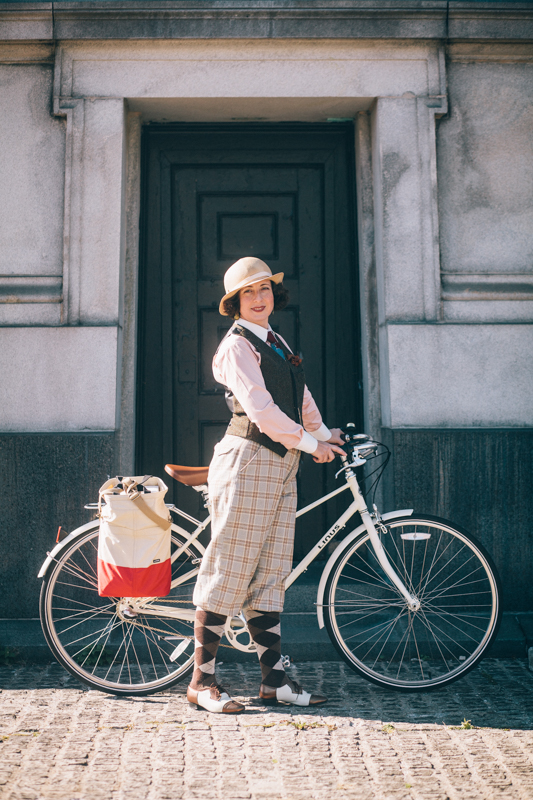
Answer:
(444, 159)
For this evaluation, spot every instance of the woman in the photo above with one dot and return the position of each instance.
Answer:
(252, 487)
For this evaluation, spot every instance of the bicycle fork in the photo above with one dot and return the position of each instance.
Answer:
(413, 603)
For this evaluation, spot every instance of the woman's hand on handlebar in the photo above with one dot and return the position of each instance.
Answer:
(326, 452)
(336, 436)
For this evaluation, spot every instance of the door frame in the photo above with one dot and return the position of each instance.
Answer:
(346, 130)
(363, 212)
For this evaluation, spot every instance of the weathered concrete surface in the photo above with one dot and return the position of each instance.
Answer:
(265, 19)
(444, 376)
(58, 379)
(48, 478)
(61, 742)
(485, 152)
(481, 480)
(32, 169)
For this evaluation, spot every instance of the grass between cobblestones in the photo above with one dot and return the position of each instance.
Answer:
(471, 740)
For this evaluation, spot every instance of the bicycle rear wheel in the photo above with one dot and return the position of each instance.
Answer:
(381, 638)
(111, 644)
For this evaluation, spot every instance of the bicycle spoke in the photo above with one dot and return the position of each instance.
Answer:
(460, 583)
(158, 647)
(454, 641)
(462, 618)
(424, 622)
(379, 578)
(359, 594)
(89, 564)
(416, 646)
(386, 641)
(78, 572)
(79, 603)
(188, 576)
(406, 635)
(102, 650)
(457, 628)
(405, 575)
(79, 622)
(359, 618)
(444, 567)
(378, 628)
(81, 638)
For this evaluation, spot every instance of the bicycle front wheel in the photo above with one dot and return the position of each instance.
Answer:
(375, 632)
(123, 646)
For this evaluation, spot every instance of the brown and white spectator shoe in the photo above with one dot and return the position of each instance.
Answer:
(291, 693)
(215, 699)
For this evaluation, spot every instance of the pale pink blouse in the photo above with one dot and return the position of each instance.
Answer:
(237, 365)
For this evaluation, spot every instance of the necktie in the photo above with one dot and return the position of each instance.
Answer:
(273, 342)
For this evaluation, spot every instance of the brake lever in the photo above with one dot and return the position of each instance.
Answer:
(357, 462)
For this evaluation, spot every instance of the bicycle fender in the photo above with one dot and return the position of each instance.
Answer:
(404, 512)
(64, 543)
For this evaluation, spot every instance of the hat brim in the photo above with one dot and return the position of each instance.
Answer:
(277, 278)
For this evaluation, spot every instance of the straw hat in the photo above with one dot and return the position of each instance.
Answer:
(243, 273)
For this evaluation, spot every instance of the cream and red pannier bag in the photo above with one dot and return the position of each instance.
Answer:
(134, 540)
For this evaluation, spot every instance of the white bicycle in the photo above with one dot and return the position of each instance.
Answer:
(411, 602)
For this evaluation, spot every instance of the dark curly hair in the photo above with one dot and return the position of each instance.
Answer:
(281, 297)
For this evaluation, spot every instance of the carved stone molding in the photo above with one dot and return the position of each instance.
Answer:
(499, 52)
(483, 286)
(26, 53)
(31, 289)
(73, 111)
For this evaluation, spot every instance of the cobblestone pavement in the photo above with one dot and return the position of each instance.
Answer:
(63, 742)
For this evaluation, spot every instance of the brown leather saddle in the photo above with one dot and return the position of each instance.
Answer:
(190, 476)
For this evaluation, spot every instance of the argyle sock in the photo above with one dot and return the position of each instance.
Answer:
(208, 631)
(265, 630)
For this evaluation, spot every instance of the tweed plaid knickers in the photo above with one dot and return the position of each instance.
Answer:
(252, 494)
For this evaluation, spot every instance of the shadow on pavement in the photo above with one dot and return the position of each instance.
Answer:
(497, 694)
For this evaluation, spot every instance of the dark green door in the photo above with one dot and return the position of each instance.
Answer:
(212, 195)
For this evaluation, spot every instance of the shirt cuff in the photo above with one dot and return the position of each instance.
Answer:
(322, 434)
(308, 443)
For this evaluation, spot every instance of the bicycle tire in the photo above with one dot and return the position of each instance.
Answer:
(93, 639)
(371, 626)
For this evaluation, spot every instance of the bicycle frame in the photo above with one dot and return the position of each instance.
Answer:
(358, 505)
(152, 607)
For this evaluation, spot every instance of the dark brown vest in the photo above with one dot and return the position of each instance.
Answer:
(284, 381)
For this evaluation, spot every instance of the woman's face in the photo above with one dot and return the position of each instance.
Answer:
(257, 303)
